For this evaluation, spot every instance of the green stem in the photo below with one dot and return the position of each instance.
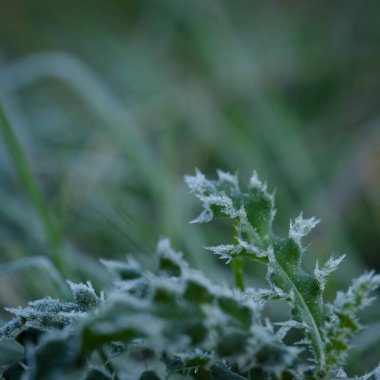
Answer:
(309, 320)
(237, 266)
(29, 182)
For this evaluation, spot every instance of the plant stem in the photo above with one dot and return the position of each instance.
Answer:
(301, 305)
(29, 183)
(237, 266)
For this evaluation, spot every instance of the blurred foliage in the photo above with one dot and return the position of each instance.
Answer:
(113, 102)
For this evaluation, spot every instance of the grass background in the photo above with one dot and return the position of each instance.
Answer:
(110, 103)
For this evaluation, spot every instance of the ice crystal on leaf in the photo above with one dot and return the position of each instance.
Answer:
(301, 227)
(85, 296)
(323, 274)
(49, 313)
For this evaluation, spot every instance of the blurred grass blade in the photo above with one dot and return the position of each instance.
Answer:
(39, 262)
(117, 120)
(30, 185)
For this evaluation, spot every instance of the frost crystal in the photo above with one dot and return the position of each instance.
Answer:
(225, 252)
(331, 265)
(300, 227)
(357, 296)
(213, 194)
(228, 178)
(128, 270)
(84, 295)
(286, 326)
(198, 183)
(254, 181)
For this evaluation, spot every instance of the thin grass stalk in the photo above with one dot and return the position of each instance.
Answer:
(30, 185)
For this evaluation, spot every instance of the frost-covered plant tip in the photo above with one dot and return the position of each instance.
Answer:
(173, 323)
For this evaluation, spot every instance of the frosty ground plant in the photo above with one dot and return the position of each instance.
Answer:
(173, 323)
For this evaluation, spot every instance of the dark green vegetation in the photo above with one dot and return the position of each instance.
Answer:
(174, 323)
(112, 101)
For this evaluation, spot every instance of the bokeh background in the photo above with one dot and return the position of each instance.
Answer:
(112, 102)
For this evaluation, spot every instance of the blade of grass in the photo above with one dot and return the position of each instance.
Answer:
(117, 119)
(42, 263)
(30, 185)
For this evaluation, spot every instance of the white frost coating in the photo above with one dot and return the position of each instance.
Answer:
(228, 177)
(199, 278)
(286, 326)
(208, 193)
(373, 375)
(114, 265)
(357, 296)
(73, 314)
(225, 251)
(244, 225)
(254, 182)
(82, 287)
(84, 295)
(198, 183)
(242, 214)
(260, 296)
(251, 248)
(304, 341)
(263, 336)
(300, 227)
(170, 284)
(164, 249)
(279, 292)
(129, 284)
(214, 315)
(204, 217)
(221, 200)
(17, 310)
(341, 374)
(330, 266)
(164, 246)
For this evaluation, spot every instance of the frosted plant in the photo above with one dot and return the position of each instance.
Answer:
(327, 328)
(174, 323)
